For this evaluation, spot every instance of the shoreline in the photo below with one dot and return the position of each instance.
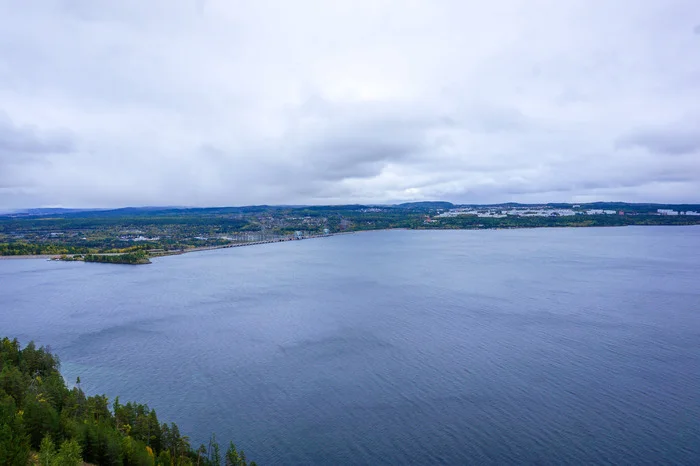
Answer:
(32, 256)
(186, 251)
(239, 245)
(284, 240)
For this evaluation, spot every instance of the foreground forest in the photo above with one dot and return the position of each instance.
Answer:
(44, 422)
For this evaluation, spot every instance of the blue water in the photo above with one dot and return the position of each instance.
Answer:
(544, 346)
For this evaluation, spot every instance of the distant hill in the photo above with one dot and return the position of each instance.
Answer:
(177, 211)
(43, 211)
(424, 205)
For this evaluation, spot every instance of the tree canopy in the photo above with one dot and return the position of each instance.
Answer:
(44, 422)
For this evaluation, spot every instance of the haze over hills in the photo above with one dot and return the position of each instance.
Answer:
(194, 102)
(419, 205)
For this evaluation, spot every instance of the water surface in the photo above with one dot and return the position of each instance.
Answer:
(541, 346)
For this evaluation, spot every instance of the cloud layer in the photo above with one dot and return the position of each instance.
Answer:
(219, 102)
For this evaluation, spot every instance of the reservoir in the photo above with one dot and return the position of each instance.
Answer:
(547, 346)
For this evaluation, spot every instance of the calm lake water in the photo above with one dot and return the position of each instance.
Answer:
(544, 346)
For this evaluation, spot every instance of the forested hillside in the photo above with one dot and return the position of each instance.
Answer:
(42, 421)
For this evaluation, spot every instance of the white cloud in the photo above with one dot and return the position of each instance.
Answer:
(224, 102)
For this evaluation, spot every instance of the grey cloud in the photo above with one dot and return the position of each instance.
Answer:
(355, 141)
(670, 141)
(494, 119)
(338, 159)
(239, 103)
(20, 140)
(23, 148)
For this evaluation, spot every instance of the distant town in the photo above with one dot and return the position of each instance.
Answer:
(576, 209)
(100, 235)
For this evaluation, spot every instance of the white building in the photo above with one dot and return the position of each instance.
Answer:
(600, 212)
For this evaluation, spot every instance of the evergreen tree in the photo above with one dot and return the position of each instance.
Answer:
(232, 458)
(69, 454)
(47, 452)
(215, 452)
(14, 442)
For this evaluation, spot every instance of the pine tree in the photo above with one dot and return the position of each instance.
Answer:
(47, 452)
(232, 458)
(215, 451)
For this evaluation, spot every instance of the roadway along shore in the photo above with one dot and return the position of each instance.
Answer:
(177, 251)
(238, 245)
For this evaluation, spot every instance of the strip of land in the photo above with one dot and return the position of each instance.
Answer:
(133, 235)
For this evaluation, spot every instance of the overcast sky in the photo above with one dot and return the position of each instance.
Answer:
(234, 102)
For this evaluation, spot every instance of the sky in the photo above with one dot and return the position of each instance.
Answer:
(239, 102)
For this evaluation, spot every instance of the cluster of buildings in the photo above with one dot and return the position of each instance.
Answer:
(676, 212)
(283, 221)
(371, 209)
(499, 212)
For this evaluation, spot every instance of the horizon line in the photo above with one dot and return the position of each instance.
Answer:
(183, 207)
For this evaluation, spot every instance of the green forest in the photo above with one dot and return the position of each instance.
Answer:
(27, 249)
(55, 248)
(43, 422)
(138, 257)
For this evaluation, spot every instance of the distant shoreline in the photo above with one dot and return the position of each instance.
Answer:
(178, 252)
(249, 243)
